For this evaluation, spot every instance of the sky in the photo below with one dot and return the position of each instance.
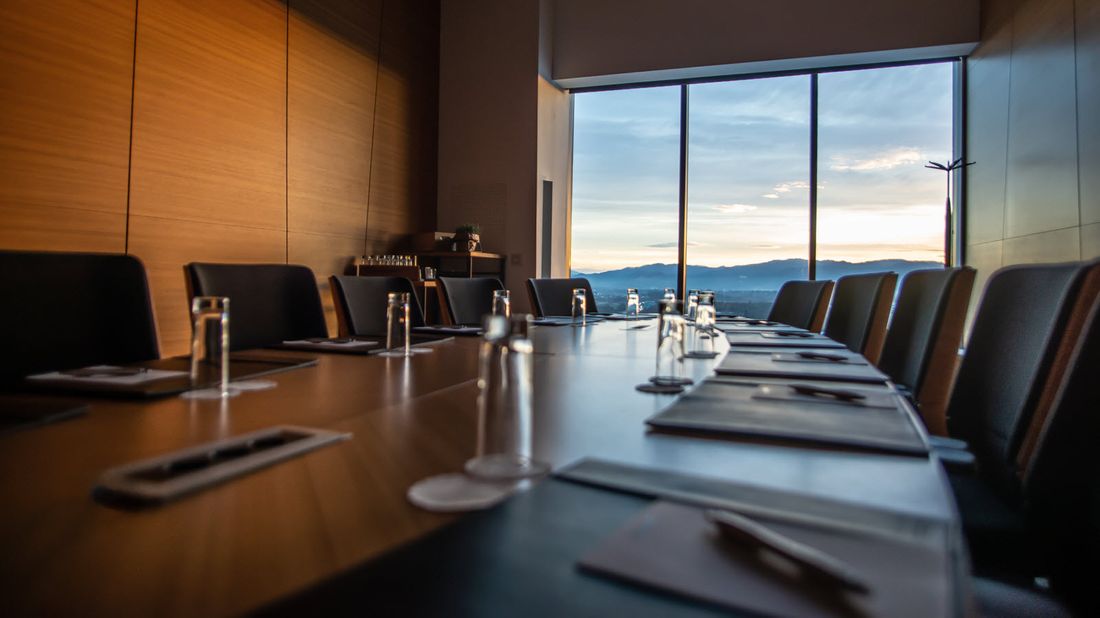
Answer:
(748, 173)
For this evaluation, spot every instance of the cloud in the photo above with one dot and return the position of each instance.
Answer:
(885, 160)
(735, 209)
(673, 245)
(771, 196)
(785, 187)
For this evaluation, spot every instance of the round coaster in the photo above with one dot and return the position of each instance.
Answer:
(660, 389)
(448, 493)
(668, 381)
(253, 385)
(504, 467)
(700, 354)
(210, 393)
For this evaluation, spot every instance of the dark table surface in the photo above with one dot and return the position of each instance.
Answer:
(261, 537)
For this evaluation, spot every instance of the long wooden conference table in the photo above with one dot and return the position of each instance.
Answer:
(256, 539)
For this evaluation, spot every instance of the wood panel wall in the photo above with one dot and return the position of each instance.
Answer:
(1033, 88)
(217, 130)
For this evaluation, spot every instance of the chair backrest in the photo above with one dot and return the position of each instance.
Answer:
(1061, 495)
(268, 303)
(1016, 331)
(468, 300)
(361, 303)
(922, 341)
(802, 304)
(859, 312)
(70, 310)
(555, 296)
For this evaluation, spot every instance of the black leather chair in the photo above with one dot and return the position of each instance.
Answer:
(554, 297)
(859, 312)
(468, 300)
(922, 341)
(361, 303)
(802, 304)
(1041, 518)
(69, 310)
(269, 303)
(1018, 330)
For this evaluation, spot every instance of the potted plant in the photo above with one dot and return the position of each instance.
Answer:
(467, 238)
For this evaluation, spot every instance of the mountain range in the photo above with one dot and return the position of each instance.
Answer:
(761, 276)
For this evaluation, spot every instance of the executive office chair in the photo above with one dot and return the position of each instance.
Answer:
(468, 300)
(859, 312)
(268, 303)
(922, 341)
(802, 304)
(554, 297)
(361, 303)
(70, 310)
(1043, 519)
(1020, 327)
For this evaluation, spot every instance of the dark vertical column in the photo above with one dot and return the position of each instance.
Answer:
(958, 128)
(681, 269)
(812, 259)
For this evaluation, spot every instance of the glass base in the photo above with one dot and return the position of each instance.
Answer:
(660, 389)
(211, 393)
(505, 467)
(671, 381)
(448, 493)
(402, 354)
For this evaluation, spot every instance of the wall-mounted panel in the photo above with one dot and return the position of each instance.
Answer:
(1090, 241)
(165, 245)
(1042, 135)
(332, 73)
(326, 255)
(333, 68)
(1088, 101)
(65, 123)
(988, 75)
(209, 152)
(403, 176)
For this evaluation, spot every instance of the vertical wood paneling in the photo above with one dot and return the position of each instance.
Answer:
(403, 177)
(209, 142)
(65, 82)
(253, 132)
(332, 70)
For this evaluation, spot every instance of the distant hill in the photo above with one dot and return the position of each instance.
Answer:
(762, 276)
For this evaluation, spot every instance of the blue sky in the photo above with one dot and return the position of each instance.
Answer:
(749, 169)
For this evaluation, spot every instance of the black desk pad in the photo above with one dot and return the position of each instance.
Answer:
(741, 409)
(416, 337)
(800, 363)
(26, 411)
(521, 558)
(516, 559)
(247, 364)
(780, 339)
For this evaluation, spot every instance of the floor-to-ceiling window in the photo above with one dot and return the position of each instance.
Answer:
(626, 183)
(748, 182)
(878, 207)
(750, 157)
